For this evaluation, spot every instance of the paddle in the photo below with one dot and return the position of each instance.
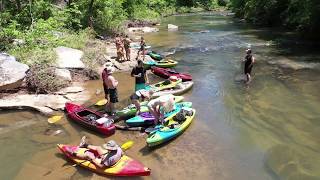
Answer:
(101, 102)
(54, 119)
(125, 146)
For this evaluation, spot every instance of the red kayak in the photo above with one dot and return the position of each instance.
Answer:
(90, 119)
(166, 73)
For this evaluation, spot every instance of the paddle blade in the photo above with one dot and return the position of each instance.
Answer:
(127, 145)
(101, 102)
(54, 119)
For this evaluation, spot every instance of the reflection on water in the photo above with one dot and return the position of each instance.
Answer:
(267, 130)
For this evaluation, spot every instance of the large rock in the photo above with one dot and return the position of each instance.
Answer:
(43, 103)
(172, 27)
(143, 29)
(63, 74)
(69, 58)
(12, 72)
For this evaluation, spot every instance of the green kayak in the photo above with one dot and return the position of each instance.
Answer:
(167, 63)
(163, 85)
(155, 56)
(131, 110)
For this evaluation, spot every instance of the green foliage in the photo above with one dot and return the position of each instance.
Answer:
(296, 14)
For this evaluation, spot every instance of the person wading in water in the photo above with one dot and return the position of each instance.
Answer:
(142, 49)
(139, 72)
(110, 88)
(249, 60)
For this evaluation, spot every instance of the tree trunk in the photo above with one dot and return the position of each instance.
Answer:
(18, 4)
(90, 18)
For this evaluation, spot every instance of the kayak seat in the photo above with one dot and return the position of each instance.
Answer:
(104, 121)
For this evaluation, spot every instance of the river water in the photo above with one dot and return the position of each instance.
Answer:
(266, 130)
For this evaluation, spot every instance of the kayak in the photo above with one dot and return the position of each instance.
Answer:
(90, 119)
(170, 130)
(155, 56)
(167, 84)
(136, 45)
(126, 166)
(147, 119)
(131, 109)
(181, 88)
(163, 63)
(166, 73)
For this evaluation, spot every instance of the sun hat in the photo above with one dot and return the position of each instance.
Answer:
(108, 64)
(110, 145)
(109, 69)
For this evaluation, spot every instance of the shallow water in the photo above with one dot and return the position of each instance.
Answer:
(267, 130)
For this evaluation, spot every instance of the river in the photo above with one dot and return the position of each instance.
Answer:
(266, 130)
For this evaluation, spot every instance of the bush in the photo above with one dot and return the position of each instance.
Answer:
(41, 79)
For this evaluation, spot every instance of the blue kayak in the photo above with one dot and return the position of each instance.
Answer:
(147, 119)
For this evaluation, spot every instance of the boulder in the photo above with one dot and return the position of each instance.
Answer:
(69, 58)
(12, 72)
(172, 27)
(41, 102)
(143, 29)
(63, 74)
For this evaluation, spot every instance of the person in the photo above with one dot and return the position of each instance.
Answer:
(119, 47)
(142, 48)
(126, 43)
(108, 154)
(249, 60)
(161, 105)
(110, 88)
(141, 78)
(142, 95)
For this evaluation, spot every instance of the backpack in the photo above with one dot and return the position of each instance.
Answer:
(181, 115)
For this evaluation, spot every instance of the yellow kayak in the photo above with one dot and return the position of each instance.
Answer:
(126, 166)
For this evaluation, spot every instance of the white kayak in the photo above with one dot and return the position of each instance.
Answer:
(181, 88)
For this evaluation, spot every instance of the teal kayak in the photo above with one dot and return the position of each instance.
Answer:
(170, 130)
(155, 56)
(147, 119)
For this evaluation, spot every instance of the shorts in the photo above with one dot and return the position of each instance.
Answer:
(113, 95)
(139, 86)
(248, 69)
(134, 97)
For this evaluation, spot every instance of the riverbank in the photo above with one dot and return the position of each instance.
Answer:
(94, 55)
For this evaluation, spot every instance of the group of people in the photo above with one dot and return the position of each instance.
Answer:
(110, 153)
(123, 48)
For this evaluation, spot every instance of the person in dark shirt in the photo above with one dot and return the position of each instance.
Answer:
(142, 48)
(249, 60)
(139, 72)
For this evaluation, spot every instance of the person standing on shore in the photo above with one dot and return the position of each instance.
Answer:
(126, 42)
(119, 47)
(110, 88)
(249, 60)
(139, 72)
(142, 49)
